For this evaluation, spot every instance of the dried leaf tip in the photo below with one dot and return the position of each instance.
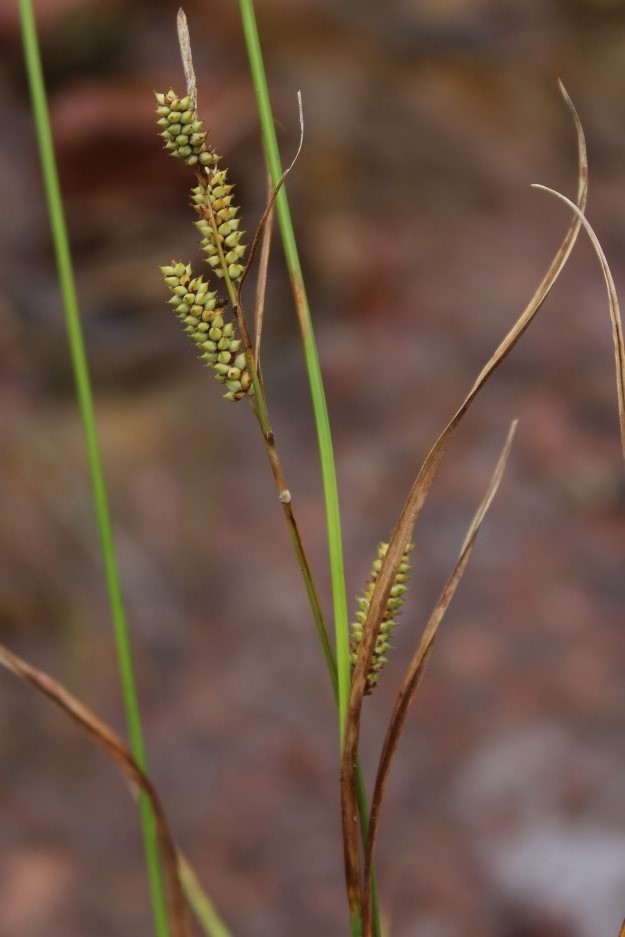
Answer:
(393, 608)
(182, 131)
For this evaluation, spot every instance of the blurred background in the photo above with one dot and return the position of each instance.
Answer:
(426, 123)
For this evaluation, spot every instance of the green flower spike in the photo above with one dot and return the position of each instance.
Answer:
(203, 319)
(181, 130)
(216, 192)
(395, 602)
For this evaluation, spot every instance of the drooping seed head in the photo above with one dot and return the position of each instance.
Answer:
(202, 317)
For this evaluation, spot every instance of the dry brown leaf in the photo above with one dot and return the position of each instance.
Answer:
(416, 669)
(261, 282)
(117, 751)
(615, 313)
(403, 531)
(266, 216)
(184, 41)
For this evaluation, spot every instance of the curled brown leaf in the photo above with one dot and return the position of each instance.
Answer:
(117, 751)
(404, 528)
(416, 669)
(613, 305)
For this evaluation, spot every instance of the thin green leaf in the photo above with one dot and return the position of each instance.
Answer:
(203, 908)
(320, 410)
(85, 403)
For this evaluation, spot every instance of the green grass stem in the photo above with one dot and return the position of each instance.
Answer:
(85, 402)
(340, 672)
(311, 357)
(203, 908)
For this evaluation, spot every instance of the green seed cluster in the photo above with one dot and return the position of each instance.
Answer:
(182, 131)
(197, 307)
(218, 223)
(395, 602)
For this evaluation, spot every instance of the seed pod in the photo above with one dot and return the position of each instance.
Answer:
(203, 320)
(182, 131)
(393, 607)
(218, 223)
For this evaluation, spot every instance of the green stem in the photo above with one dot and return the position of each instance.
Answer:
(363, 810)
(320, 409)
(340, 671)
(202, 906)
(274, 459)
(85, 402)
(260, 405)
(355, 925)
(322, 634)
(262, 414)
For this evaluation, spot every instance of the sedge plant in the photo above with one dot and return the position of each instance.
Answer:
(211, 312)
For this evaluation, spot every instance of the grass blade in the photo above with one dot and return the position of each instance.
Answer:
(339, 667)
(85, 402)
(202, 906)
(322, 422)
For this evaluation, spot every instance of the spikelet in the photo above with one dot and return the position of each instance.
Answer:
(182, 131)
(198, 308)
(395, 602)
(203, 319)
(215, 191)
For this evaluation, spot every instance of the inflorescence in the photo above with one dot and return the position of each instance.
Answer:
(393, 607)
(199, 309)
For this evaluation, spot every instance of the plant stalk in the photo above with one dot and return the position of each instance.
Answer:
(85, 401)
(311, 357)
(342, 666)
